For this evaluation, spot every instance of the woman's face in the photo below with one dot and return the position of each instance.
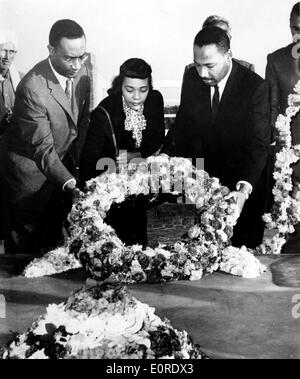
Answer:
(135, 92)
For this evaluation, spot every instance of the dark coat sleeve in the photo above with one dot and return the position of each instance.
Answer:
(258, 147)
(178, 142)
(97, 145)
(274, 88)
(175, 142)
(154, 134)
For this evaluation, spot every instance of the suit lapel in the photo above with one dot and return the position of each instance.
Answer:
(58, 93)
(230, 90)
(78, 90)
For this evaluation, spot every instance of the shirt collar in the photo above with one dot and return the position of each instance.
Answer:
(61, 79)
(223, 82)
(5, 77)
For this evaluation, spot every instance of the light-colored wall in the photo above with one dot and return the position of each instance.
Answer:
(160, 31)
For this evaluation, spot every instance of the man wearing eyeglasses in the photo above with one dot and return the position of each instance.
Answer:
(44, 141)
(9, 76)
(9, 79)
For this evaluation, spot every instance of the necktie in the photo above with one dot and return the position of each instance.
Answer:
(215, 103)
(68, 90)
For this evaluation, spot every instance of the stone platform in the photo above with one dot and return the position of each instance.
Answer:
(229, 317)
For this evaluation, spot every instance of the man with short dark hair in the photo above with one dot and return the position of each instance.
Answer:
(224, 118)
(282, 73)
(44, 140)
(222, 23)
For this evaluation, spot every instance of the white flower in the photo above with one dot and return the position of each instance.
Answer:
(194, 232)
(40, 354)
(196, 274)
(297, 87)
(241, 262)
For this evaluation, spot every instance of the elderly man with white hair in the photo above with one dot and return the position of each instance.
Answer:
(9, 79)
(9, 76)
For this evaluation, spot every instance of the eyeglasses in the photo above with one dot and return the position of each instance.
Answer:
(8, 52)
(73, 60)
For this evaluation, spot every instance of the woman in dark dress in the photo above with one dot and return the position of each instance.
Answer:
(136, 112)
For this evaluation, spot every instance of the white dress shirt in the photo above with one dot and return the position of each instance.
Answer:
(221, 85)
(61, 79)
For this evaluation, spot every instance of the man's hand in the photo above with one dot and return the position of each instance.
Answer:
(76, 195)
(239, 198)
(70, 186)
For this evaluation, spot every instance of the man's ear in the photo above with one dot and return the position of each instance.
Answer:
(51, 50)
(229, 55)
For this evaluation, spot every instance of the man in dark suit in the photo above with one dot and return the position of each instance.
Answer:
(282, 73)
(224, 118)
(44, 140)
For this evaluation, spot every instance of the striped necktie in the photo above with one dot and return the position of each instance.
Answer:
(69, 90)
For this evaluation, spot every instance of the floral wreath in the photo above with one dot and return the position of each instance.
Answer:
(96, 246)
(207, 248)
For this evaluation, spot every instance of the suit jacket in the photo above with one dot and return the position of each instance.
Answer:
(15, 78)
(99, 142)
(282, 74)
(236, 147)
(41, 135)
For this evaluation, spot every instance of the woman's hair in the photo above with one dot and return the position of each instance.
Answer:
(135, 68)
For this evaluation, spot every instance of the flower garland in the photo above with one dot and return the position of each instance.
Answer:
(104, 323)
(286, 209)
(102, 253)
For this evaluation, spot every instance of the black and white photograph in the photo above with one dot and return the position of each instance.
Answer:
(149, 182)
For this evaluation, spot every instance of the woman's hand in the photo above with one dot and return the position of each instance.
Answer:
(124, 159)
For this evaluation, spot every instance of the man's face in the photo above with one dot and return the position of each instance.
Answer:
(68, 57)
(295, 27)
(211, 63)
(7, 55)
